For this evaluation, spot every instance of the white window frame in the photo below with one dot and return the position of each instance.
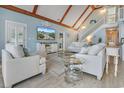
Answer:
(16, 23)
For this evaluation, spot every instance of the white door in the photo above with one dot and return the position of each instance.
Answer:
(16, 33)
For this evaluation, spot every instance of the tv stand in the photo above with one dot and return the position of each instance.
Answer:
(51, 47)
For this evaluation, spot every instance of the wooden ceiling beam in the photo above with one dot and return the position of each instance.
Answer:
(99, 7)
(35, 9)
(66, 12)
(93, 7)
(15, 9)
(81, 15)
(85, 20)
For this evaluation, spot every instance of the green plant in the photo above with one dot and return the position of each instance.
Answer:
(100, 40)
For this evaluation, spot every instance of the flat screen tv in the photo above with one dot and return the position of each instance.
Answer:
(45, 33)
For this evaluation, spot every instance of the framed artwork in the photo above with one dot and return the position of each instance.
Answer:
(122, 40)
(45, 33)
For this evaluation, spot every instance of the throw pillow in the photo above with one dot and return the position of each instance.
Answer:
(18, 52)
(95, 49)
(26, 53)
(15, 51)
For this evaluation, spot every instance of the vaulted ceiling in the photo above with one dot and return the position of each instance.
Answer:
(70, 16)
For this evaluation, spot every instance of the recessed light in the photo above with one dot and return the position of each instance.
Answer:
(103, 11)
(83, 27)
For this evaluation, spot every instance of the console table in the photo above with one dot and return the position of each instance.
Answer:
(112, 51)
(51, 47)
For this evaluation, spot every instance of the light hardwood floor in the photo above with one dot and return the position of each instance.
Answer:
(54, 78)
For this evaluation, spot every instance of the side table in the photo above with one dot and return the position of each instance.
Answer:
(112, 51)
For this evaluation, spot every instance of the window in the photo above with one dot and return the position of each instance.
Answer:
(15, 33)
(111, 16)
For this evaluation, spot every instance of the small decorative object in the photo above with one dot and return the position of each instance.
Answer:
(100, 40)
(122, 40)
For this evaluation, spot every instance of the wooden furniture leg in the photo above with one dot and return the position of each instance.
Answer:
(107, 61)
(116, 66)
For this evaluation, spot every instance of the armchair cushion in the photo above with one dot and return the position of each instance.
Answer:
(7, 55)
(16, 51)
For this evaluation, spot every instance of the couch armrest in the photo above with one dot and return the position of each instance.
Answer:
(88, 57)
(102, 52)
(23, 59)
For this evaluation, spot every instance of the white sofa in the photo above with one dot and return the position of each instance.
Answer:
(15, 70)
(94, 64)
(75, 47)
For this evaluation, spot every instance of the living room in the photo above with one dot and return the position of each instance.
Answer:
(42, 43)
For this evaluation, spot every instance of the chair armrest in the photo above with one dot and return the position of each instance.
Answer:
(20, 68)
(14, 66)
(24, 59)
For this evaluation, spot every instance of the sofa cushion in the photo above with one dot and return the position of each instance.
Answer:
(84, 50)
(95, 49)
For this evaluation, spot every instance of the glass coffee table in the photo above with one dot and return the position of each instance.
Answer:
(73, 69)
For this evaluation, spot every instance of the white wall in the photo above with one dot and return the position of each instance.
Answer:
(99, 34)
(96, 15)
(121, 30)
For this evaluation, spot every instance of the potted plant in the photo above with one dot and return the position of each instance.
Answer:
(100, 40)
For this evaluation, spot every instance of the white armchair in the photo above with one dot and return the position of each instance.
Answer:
(15, 70)
(94, 64)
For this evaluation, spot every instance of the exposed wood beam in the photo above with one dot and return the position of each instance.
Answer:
(15, 9)
(93, 7)
(85, 19)
(35, 9)
(66, 12)
(81, 15)
(121, 5)
(99, 7)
